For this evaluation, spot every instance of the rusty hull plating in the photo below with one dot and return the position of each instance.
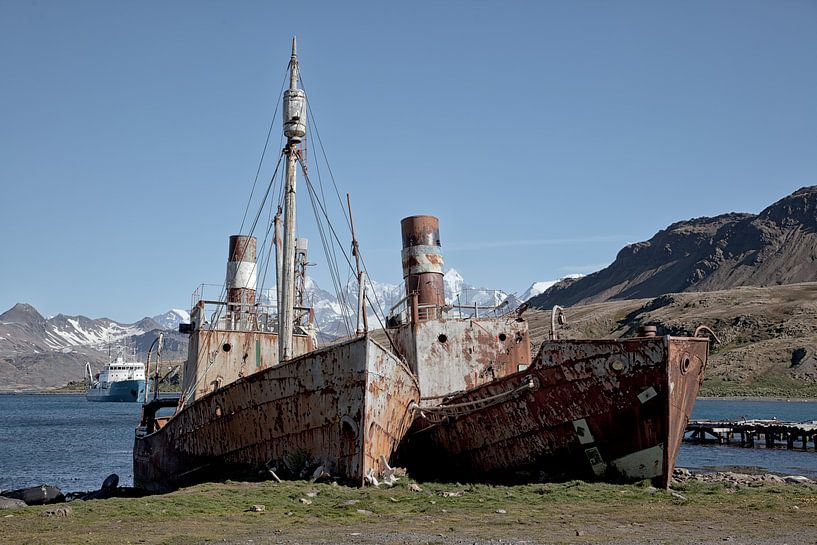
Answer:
(606, 409)
(344, 407)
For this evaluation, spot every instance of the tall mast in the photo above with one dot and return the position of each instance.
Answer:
(294, 130)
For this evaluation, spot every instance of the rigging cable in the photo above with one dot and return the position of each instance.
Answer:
(327, 244)
(264, 151)
(348, 261)
(337, 192)
(217, 314)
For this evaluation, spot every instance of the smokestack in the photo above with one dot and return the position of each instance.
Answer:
(241, 274)
(423, 259)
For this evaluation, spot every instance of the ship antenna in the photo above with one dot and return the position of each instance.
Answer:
(294, 130)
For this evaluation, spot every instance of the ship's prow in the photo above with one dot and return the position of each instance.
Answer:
(590, 409)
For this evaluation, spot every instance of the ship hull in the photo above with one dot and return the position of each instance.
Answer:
(343, 408)
(122, 390)
(612, 410)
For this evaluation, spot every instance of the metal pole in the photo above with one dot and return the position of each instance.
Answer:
(362, 326)
(294, 130)
(286, 312)
(278, 262)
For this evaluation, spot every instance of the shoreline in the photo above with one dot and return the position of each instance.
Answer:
(52, 391)
(758, 398)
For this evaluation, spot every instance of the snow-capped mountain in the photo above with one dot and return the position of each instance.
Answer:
(172, 318)
(24, 330)
(63, 331)
(459, 292)
(537, 288)
(336, 316)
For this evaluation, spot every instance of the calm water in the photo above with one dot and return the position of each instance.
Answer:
(68, 442)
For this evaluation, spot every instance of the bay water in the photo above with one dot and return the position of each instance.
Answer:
(66, 441)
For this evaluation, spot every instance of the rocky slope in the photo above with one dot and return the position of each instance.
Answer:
(777, 246)
(38, 352)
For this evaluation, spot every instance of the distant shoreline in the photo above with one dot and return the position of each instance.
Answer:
(706, 398)
(760, 398)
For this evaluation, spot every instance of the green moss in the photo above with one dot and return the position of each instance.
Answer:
(219, 511)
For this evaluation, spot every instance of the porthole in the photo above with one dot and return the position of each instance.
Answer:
(442, 338)
(226, 347)
(685, 363)
(502, 337)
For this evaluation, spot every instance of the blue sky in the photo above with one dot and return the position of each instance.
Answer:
(545, 135)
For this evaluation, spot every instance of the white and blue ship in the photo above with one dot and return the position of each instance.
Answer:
(119, 380)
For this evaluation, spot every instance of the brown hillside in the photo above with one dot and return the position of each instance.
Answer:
(777, 246)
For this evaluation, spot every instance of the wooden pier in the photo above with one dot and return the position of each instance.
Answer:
(754, 433)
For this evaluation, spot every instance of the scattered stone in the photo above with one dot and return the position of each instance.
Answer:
(501, 511)
(580, 532)
(257, 508)
(110, 483)
(319, 475)
(349, 503)
(738, 480)
(797, 479)
(11, 503)
(305, 501)
(57, 512)
(678, 496)
(456, 494)
(393, 499)
(414, 487)
(288, 513)
(311, 493)
(37, 495)
(365, 512)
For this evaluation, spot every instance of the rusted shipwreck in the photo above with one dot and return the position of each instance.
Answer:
(258, 396)
(447, 391)
(596, 409)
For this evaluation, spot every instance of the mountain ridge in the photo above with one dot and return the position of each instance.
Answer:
(776, 246)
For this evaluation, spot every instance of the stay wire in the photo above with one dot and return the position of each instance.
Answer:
(328, 248)
(217, 314)
(348, 261)
(264, 151)
(323, 151)
(223, 292)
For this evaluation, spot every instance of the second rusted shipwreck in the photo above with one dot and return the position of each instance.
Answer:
(595, 409)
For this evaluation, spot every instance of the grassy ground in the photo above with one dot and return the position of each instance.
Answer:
(299, 512)
(771, 385)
